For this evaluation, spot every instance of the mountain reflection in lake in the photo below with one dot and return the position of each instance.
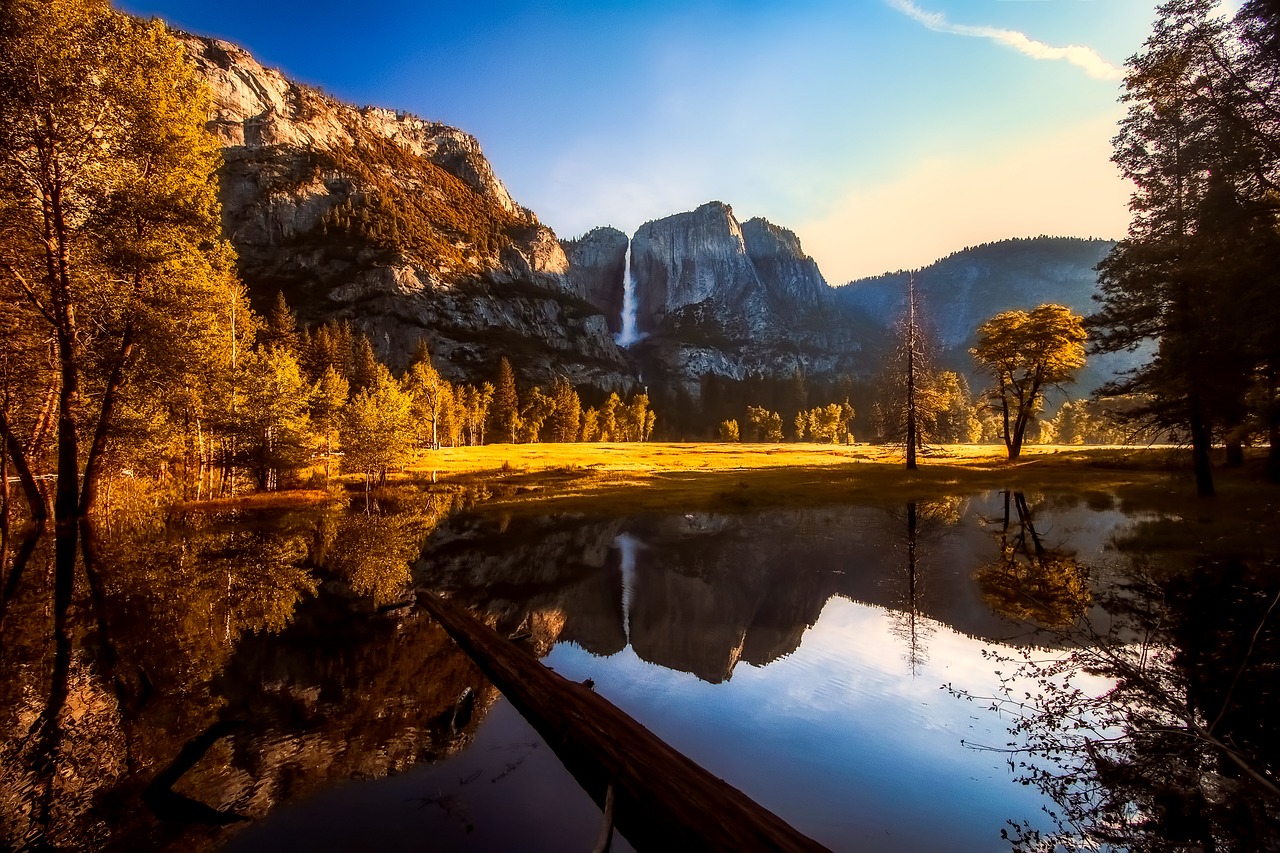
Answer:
(228, 684)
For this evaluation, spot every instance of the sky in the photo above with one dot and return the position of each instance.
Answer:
(885, 133)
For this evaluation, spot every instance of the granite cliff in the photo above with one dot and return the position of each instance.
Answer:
(401, 226)
(395, 223)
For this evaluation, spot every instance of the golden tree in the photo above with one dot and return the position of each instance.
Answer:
(110, 230)
(1026, 353)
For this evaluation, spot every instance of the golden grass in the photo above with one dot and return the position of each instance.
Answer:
(604, 478)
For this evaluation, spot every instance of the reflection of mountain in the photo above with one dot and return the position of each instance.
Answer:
(710, 591)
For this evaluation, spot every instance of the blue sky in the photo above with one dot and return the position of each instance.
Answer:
(886, 133)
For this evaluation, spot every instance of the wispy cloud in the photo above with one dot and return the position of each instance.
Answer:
(1085, 58)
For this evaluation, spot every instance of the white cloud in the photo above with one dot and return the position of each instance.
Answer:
(1060, 183)
(1085, 58)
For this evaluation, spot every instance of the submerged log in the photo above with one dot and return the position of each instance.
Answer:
(661, 799)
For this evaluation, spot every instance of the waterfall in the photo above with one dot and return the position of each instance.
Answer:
(629, 335)
(627, 558)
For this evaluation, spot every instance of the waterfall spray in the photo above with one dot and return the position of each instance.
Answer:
(629, 334)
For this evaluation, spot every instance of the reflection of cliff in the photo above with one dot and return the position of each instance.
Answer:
(706, 591)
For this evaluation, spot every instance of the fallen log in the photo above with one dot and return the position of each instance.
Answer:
(661, 799)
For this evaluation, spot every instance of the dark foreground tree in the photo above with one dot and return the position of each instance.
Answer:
(1027, 353)
(1196, 274)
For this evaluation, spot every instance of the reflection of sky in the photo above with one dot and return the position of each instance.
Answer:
(838, 738)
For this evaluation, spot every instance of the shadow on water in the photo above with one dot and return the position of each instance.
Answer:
(234, 662)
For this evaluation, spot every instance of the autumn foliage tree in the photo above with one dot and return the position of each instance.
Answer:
(1027, 353)
(111, 227)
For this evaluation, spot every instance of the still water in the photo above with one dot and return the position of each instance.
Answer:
(264, 683)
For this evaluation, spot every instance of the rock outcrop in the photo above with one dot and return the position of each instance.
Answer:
(791, 278)
(693, 258)
(397, 224)
(732, 300)
(597, 263)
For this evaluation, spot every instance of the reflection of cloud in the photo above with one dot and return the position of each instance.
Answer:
(1085, 58)
(1061, 184)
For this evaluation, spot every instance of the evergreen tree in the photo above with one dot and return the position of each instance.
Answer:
(281, 328)
(328, 398)
(506, 402)
(534, 414)
(566, 418)
(1196, 272)
(364, 364)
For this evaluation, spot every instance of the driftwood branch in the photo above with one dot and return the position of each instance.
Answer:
(662, 800)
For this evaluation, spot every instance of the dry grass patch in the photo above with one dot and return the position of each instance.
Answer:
(656, 477)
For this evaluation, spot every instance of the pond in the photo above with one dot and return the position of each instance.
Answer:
(943, 674)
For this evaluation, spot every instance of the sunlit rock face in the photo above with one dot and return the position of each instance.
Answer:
(791, 278)
(397, 224)
(691, 258)
(733, 300)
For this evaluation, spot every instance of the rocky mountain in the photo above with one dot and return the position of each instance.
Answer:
(716, 296)
(397, 224)
(401, 226)
(597, 264)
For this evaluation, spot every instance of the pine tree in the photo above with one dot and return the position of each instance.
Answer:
(506, 401)
(281, 329)
(364, 364)
(566, 419)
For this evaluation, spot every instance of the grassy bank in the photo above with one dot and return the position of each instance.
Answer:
(655, 477)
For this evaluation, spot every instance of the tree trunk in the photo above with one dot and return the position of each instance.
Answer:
(1201, 444)
(93, 467)
(16, 455)
(1273, 427)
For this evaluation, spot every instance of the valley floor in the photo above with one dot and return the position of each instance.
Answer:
(721, 476)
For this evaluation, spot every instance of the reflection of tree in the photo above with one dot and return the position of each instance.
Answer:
(171, 665)
(374, 551)
(1180, 753)
(922, 519)
(1028, 581)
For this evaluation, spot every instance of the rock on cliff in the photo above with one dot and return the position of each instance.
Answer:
(791, 278)
(735, 300)
(395, 223)
(597, 263)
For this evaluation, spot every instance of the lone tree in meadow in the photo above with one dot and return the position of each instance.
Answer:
(1025, 354)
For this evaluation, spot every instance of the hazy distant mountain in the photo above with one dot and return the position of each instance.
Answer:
(963, 290)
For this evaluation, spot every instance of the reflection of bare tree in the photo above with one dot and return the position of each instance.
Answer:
(1029, 581)
(1179, 753)
(923, 519)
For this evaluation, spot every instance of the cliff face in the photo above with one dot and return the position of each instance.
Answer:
(395, 223)
(597, 263)
(691, 258)
(791, 278)
(732, 299)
